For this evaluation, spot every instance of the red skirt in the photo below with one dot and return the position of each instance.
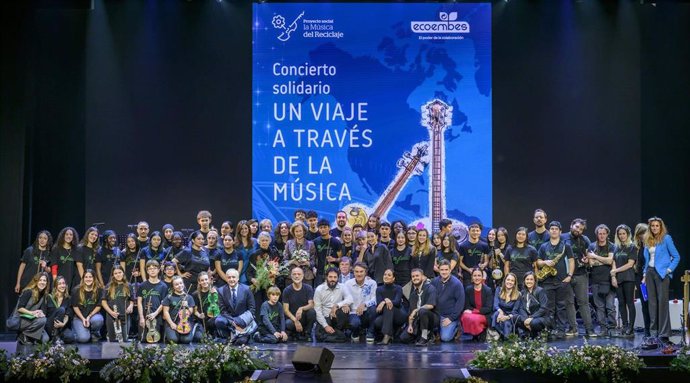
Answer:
(473, 323)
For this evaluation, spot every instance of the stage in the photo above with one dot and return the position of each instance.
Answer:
(373, 363)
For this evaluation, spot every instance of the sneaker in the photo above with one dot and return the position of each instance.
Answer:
(603, 332)
(354, 338)
(422, 342)
(370, 339)
(94, 338)
(590, 334)
(572, 332)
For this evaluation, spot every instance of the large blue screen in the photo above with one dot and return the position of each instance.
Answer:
(373, 109)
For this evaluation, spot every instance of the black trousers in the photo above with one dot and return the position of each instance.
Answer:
(559, 295)
(307, 320)
(388, 321)
(426, 320)
(339, 323)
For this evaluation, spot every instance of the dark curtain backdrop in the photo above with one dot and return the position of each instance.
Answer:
(141, 110)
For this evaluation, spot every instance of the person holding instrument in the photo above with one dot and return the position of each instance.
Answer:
(34, 259)
(177, 313)
(206, 307)
(59, 313)
(149, 299)
(117, 301)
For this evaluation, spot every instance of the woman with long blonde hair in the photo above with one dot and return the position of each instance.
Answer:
(58, 313)
(661, 259)
(423, 254)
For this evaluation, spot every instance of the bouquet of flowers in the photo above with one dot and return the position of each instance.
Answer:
(266, 272)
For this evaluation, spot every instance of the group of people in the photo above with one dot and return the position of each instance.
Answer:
(379, 282)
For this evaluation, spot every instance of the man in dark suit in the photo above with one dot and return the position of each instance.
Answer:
(236, 319)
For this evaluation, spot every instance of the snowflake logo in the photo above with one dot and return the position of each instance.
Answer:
(278, 22)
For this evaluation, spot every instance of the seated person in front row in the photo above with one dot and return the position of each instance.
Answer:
(272, 319)
(236, 301)
(31, 308)
(450, 300)
(87, 320)
(363, 306)
(423, 319)
(58, 312)
(391, 314)
(505, 304)
(298, 305)
(533, 307)
(332, 304)
(478, 306)
(178, 309)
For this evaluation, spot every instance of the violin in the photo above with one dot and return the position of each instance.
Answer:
(152, 334)
(183, 326)
(213, 310)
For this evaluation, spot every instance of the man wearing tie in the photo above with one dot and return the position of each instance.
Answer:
(236, 319)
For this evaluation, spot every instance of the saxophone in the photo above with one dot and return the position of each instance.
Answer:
(550, 271)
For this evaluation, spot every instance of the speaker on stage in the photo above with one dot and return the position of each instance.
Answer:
(313, 359)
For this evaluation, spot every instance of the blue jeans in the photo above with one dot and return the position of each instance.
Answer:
(448, 332)
(366, 320)
(83, 334)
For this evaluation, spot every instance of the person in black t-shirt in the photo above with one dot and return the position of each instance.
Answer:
(540, 234)
(271, 320)
(149, 299)
(521, 257)
(142, 234)
(62, 257)
(473, 253)
(59, 312)
(227, 258)
(30, 307)
(313, 230)
(178, 309)
(327, 251)
(85, 256)
(87, 321)
(401, 256)
(558, 255)
(107, 257)
(153, 252)
(192, 260)
(623, 278)
(423, 254)
(298, 306)
(130, 256)
(206, 307)
(580, 282)
(203, 218)
(600, 255)
(385, 235)
(168, 231)
(34, 259)
(117, 301)
(340, 223)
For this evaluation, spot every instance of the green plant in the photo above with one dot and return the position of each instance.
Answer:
(3, 361)
(681, 363)
(601, 363)
(528, 355)
(48, 361)
(208, 361)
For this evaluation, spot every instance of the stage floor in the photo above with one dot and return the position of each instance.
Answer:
(372, 363)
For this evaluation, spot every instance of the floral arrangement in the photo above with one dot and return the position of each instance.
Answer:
(299, 257)
(530, 355)
(266, 273)
(3, 361)
(48, 361)
(601, 363)
(209, 361)
(681, 363)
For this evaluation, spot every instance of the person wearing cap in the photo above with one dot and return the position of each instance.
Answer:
(327, 251)
(557, 254)
(473, 252)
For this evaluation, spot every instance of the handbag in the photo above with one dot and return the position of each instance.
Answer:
(12, 323)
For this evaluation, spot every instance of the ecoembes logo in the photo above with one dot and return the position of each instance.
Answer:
(448, 24)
